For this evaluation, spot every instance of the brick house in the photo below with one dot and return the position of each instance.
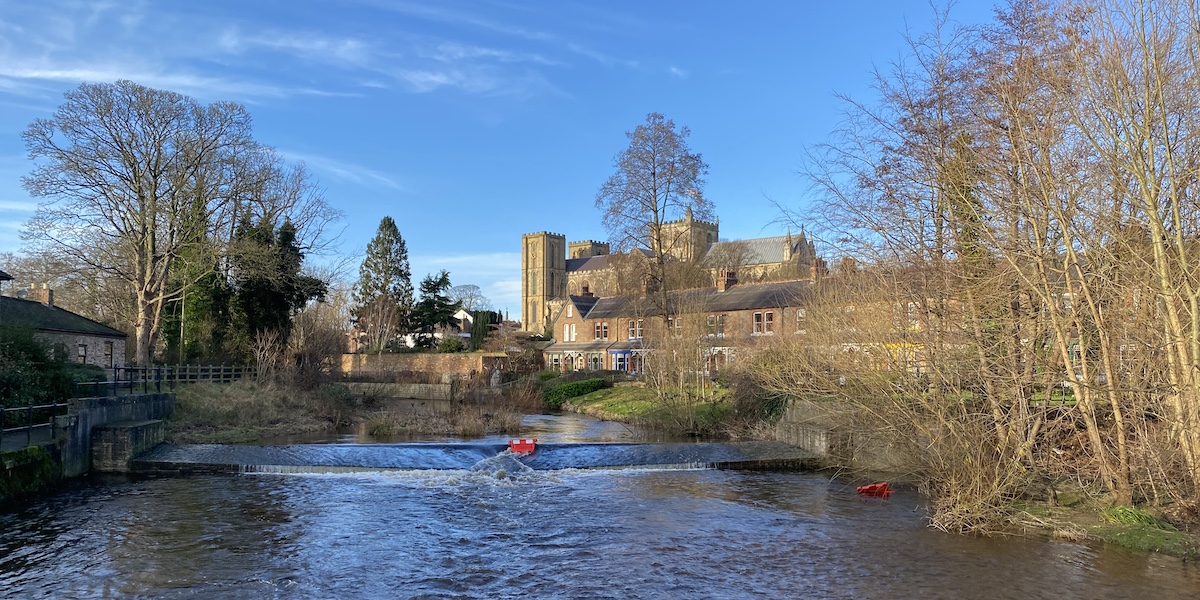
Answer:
(592, 333)
(85, 341)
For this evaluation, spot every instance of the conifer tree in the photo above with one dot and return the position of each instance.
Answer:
(383, 297)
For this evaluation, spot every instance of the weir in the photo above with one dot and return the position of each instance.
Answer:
(301, 458)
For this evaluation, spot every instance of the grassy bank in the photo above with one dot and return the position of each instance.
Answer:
(245, 412)
(635, 404)
(1077, 516)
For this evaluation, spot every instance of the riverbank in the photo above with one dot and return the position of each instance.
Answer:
(247, 412)
(634, 404)
(1071, 516)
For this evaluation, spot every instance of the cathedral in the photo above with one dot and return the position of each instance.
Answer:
(552, 269)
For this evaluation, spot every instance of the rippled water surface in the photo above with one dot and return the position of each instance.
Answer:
(502, 531)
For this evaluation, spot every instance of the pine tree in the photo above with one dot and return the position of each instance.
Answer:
(383, 297)
(436, 309)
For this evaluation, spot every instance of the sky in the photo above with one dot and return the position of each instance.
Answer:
(471, 123)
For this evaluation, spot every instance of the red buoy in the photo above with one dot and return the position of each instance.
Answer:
(522, 446)
(877, 490)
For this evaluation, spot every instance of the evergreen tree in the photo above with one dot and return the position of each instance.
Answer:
(383, 297)
(268, 287)
(435, 309)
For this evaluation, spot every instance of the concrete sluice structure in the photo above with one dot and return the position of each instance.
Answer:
(336, 458)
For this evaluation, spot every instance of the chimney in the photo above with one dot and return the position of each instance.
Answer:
(44, 295)
(726, 279)
(586, 292)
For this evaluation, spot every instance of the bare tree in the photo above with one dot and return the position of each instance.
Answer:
(144, 187)
(658, 180)
(469, 297)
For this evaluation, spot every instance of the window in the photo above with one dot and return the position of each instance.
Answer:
(572, 332)
(108, 354)
(568, 332)
(635, 329)
(675, 326)
(601, 330)
(570, 311)
(533, 283)
(801, 315)
(764, 323)
(81, 354)
(716, 325)
(620, 362)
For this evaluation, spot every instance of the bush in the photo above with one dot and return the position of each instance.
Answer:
(555, 396)
(451, 344)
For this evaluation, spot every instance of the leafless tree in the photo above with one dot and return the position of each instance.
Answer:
(144, 187)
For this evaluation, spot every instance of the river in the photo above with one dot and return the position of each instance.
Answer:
(508, 533)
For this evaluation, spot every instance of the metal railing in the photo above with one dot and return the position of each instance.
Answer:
(36, 418)
(39, 420)
(133, 380)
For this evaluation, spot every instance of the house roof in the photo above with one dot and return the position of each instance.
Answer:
(42, 317)
(5, 276)
(584, 303)
(739, 297)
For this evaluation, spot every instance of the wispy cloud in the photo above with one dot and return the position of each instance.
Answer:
(601, 57)
(677, 72)
(344, 51)
(345, 171)
(461, 17)
(18, 205)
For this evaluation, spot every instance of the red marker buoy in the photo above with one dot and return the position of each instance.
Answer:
(877, 490)
(522, 446)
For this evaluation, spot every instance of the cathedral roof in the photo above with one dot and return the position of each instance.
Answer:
(591, 263)
(769, 249)
(594, 263)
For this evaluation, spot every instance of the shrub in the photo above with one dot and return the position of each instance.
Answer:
(451, 344)
(555, 396)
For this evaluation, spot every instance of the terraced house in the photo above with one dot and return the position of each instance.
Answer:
(617, 332)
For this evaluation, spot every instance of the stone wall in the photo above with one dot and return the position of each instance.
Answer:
(113, 445)
(27, 471)
(445, 365)
(828, 430)
(92, 345)
(88, 413)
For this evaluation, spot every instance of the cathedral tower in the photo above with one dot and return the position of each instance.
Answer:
(544, 277)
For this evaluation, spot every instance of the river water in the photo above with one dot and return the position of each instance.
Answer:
(502, 532)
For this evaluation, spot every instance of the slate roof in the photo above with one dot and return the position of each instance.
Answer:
(5, 276)
(595, 263)
(767, 250)
(584, 303)
(591, 263)
(739, 297)
(51, 319)
(591, 346)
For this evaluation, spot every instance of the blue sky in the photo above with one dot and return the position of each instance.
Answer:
(471, 123)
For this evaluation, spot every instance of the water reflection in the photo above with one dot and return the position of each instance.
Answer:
(497, 533)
